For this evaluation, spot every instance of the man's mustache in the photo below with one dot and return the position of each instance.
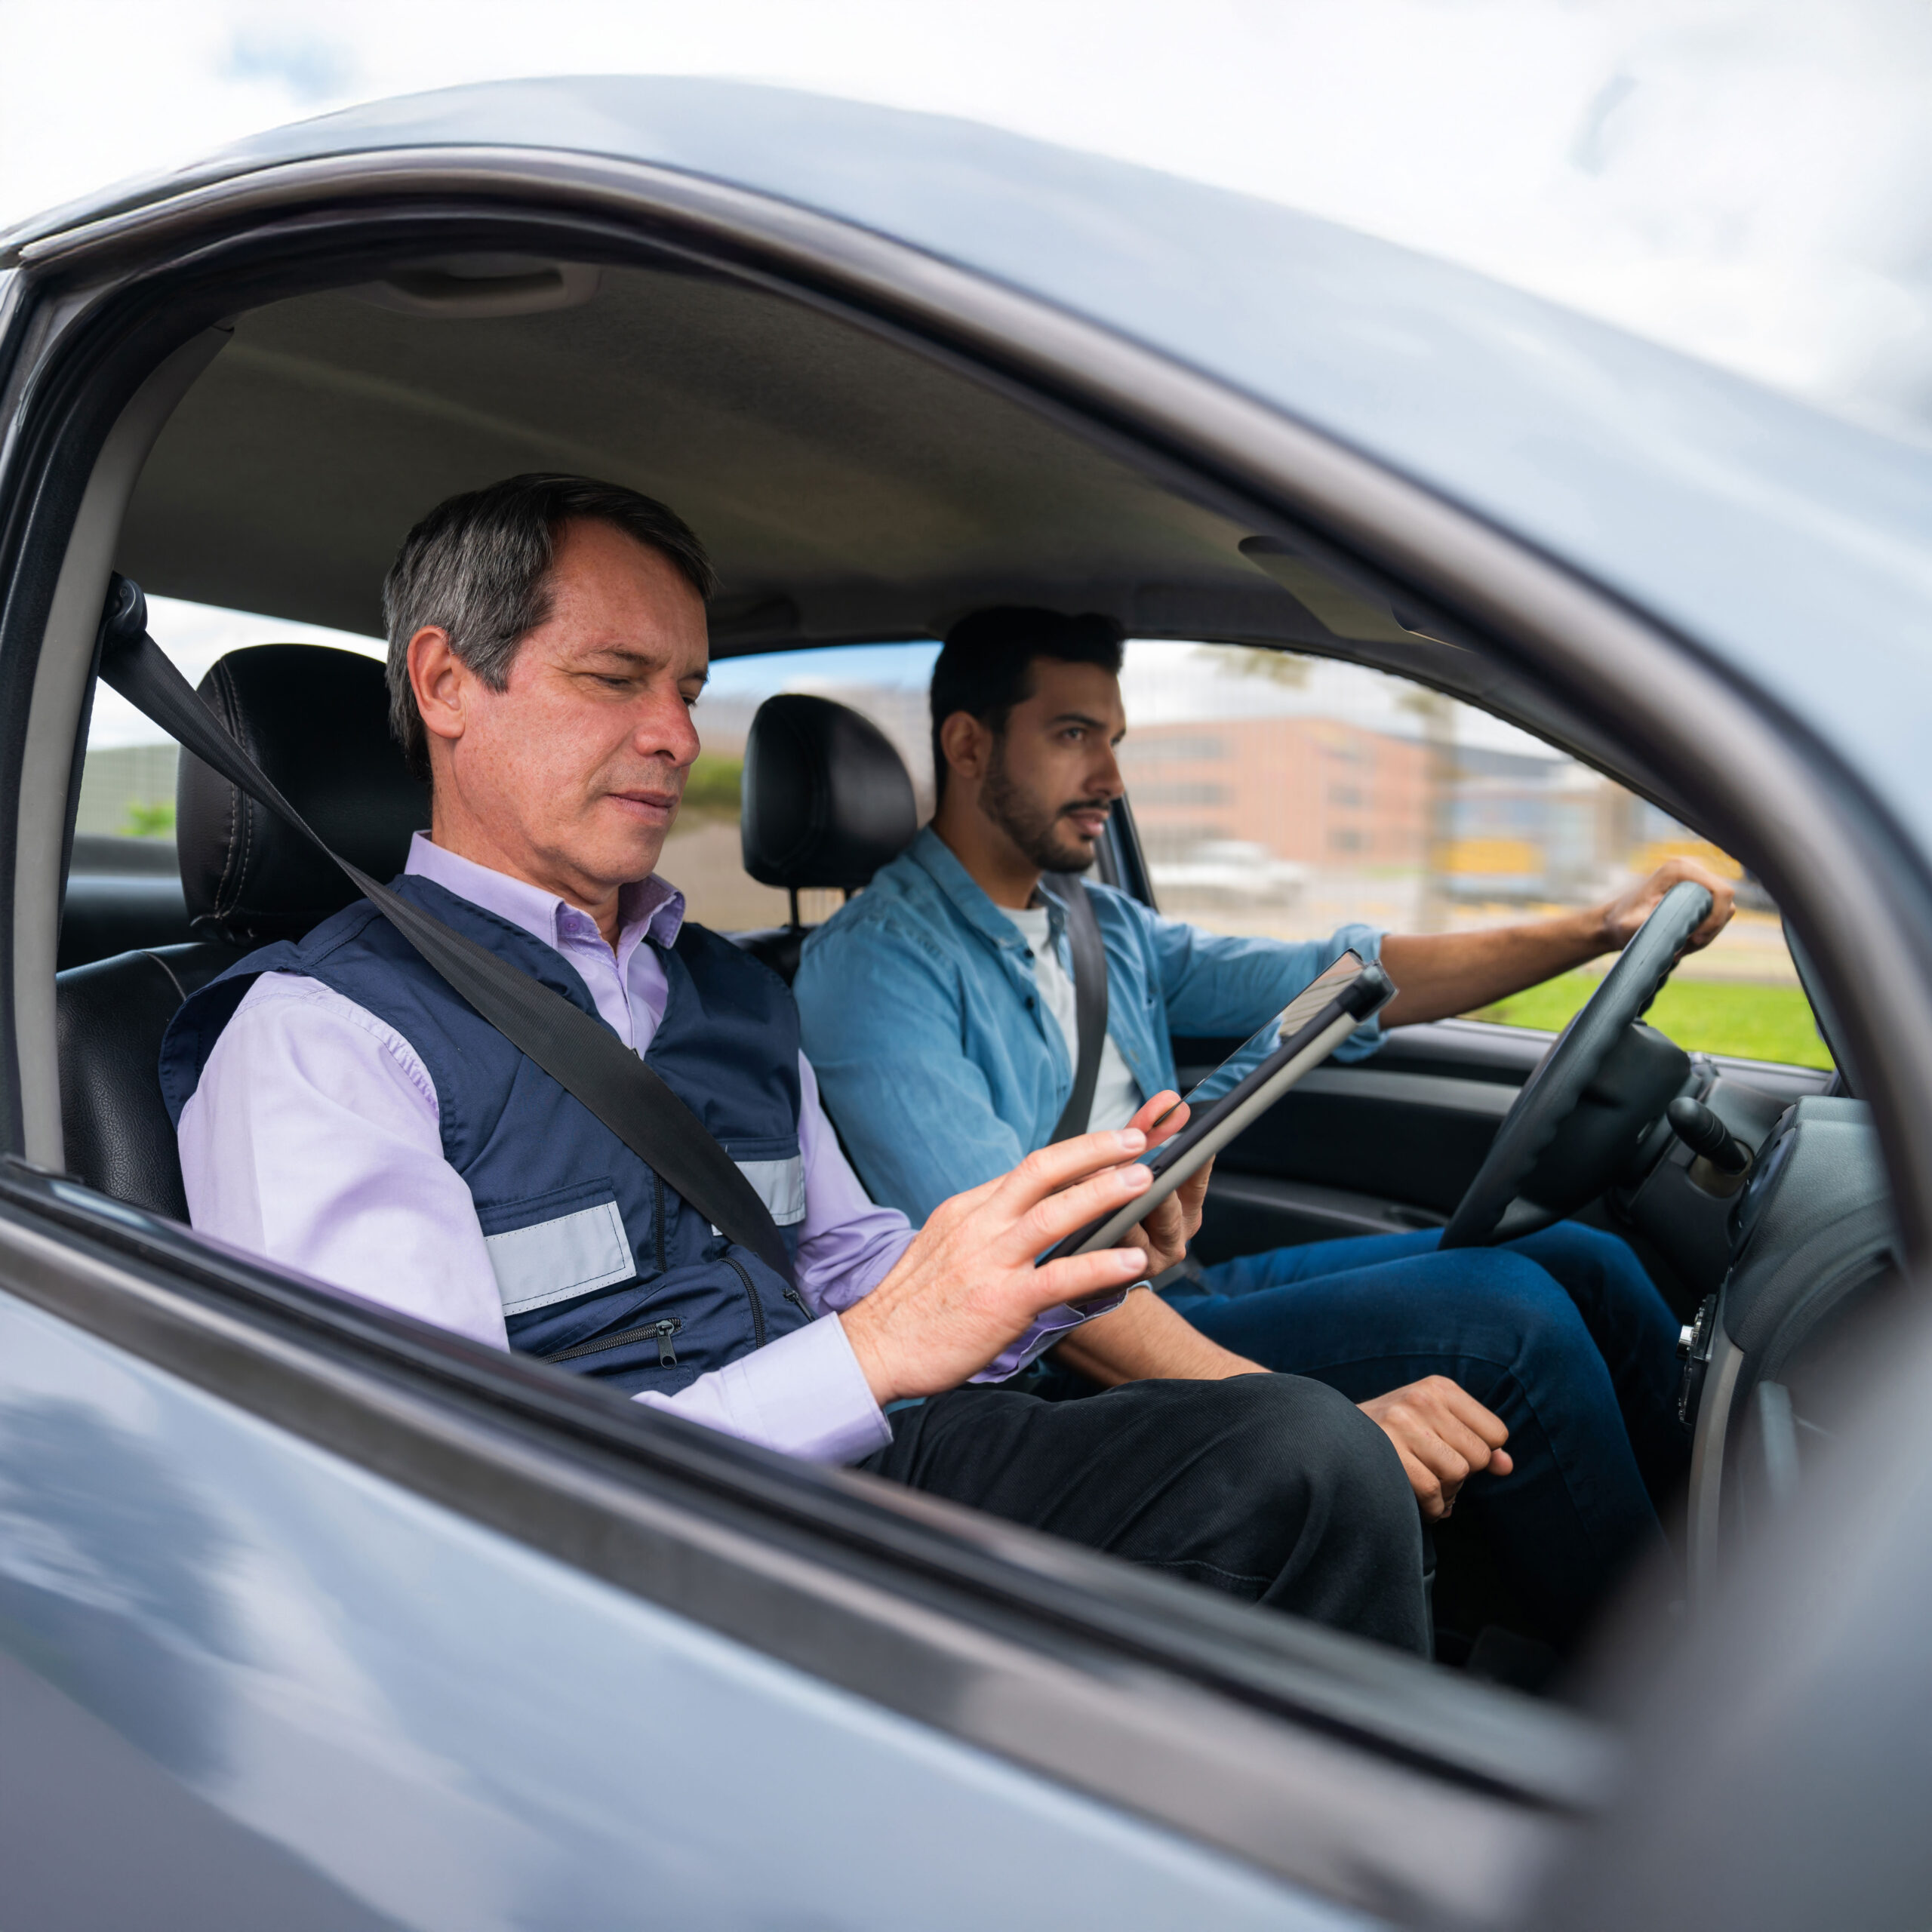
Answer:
(1085, 805)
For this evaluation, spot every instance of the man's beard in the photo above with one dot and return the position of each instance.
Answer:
(1034, 829)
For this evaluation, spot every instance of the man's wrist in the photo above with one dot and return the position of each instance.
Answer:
(864, 1344)
(1597, 932)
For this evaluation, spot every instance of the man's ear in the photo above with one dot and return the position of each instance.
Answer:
(968, 745)
(438, 677)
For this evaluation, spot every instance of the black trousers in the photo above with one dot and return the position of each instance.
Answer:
(1270, 1487)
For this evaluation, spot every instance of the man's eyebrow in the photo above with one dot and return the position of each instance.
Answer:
(1079, 718)
(626, 654)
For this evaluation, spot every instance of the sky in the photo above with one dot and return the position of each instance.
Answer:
(1746, 179)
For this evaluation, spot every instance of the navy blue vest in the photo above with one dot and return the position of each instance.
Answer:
(601, 1267)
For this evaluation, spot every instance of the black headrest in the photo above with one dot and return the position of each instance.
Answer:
(316, 721)
(827, 799)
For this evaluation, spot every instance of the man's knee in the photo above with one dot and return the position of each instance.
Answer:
(1591, 1263)
(1352, 1533)
(1319, 1459)
(1513, 1311)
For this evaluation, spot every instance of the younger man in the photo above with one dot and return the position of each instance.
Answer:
(938, 1011)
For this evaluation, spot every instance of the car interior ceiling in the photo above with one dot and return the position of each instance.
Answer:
(851, 487)
(848, 486)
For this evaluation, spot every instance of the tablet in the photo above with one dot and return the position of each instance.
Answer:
(1246, 1084)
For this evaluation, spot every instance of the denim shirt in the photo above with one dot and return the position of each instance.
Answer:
(938, 1059)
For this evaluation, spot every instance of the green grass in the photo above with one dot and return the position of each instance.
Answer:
(1702, 1015)
(713, 787)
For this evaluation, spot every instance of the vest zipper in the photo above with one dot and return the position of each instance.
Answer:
(659, 1331)
(657, 1182)
(751, 1295)
(798, 1301)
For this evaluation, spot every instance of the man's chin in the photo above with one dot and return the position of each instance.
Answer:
(630, 852)
(1069, 856)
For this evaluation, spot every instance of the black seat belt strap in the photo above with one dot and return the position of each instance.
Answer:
(1089, 997)
(579, 1053)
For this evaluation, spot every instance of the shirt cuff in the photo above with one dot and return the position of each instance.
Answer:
(1366, 942)
(804, 1395)
(1048, 1329)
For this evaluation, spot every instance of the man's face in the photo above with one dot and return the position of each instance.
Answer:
(1052, 778)
(577, 768)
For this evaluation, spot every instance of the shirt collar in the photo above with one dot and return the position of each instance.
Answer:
(650, 907)
(931, 852)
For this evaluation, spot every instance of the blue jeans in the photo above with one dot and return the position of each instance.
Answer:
(1561, 1333)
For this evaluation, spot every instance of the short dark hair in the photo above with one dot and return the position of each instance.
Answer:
(478, 566)
(985, 668)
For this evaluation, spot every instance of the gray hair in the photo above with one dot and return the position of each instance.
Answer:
(478, 567)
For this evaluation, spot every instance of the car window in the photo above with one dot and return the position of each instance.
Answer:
(126, 814)
(886, 682)
(1281, 794)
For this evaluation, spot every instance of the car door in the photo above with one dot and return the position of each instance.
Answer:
(1279, 795)
(311, 1615)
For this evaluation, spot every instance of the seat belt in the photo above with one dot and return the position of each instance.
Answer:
(1089, 997)
(579, 1052)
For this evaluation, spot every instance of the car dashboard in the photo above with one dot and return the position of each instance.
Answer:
(1768, 1378)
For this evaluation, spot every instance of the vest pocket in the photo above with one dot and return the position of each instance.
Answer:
(780, 1184)
(660, 1332)
(560, 1255)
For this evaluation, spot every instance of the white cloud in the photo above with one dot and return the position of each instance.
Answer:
(1743, 178)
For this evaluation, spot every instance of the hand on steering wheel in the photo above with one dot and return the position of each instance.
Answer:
(1552, 1092)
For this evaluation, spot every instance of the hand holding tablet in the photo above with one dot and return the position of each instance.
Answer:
(1246, 1084)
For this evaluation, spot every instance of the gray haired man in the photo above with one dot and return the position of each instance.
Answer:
(341, 1109)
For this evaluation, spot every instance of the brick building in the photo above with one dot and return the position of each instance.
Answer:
(1318, 791)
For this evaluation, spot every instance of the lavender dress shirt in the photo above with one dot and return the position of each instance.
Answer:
(313, 1139)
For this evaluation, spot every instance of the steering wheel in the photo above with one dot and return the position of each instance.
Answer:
(1603, 1030)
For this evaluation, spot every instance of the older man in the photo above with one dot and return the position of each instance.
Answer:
(939, 1012)
(341, 1110)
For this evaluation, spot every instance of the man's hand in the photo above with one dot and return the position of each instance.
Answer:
(1165, 1232)
(1440, 973)
(1444, 1436)
(1621, 917)
(966, 1286)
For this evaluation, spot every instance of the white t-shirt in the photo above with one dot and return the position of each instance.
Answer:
(1116, 1097)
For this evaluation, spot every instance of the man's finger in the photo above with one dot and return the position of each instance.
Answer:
(1052, 1220)
(1465, 1443)
(1080, 1275)
(1459, 1403)
(1162, 1118)
(1047, 1170)
(1423, 1481)
(1435, 1453)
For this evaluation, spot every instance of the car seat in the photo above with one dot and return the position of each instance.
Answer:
(315, 721)
(826, 801)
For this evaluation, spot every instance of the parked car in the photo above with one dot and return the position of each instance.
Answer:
(1229, 871)
(312, 1616)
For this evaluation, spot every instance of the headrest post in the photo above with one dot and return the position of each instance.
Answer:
(791, 893)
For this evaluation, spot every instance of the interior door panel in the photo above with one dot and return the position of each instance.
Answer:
(1378, 1145)
(1374, 1146)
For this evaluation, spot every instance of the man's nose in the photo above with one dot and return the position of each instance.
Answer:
(1108, 782)
(665, 729)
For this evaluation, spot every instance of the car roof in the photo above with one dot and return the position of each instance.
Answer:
(1790, 544)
